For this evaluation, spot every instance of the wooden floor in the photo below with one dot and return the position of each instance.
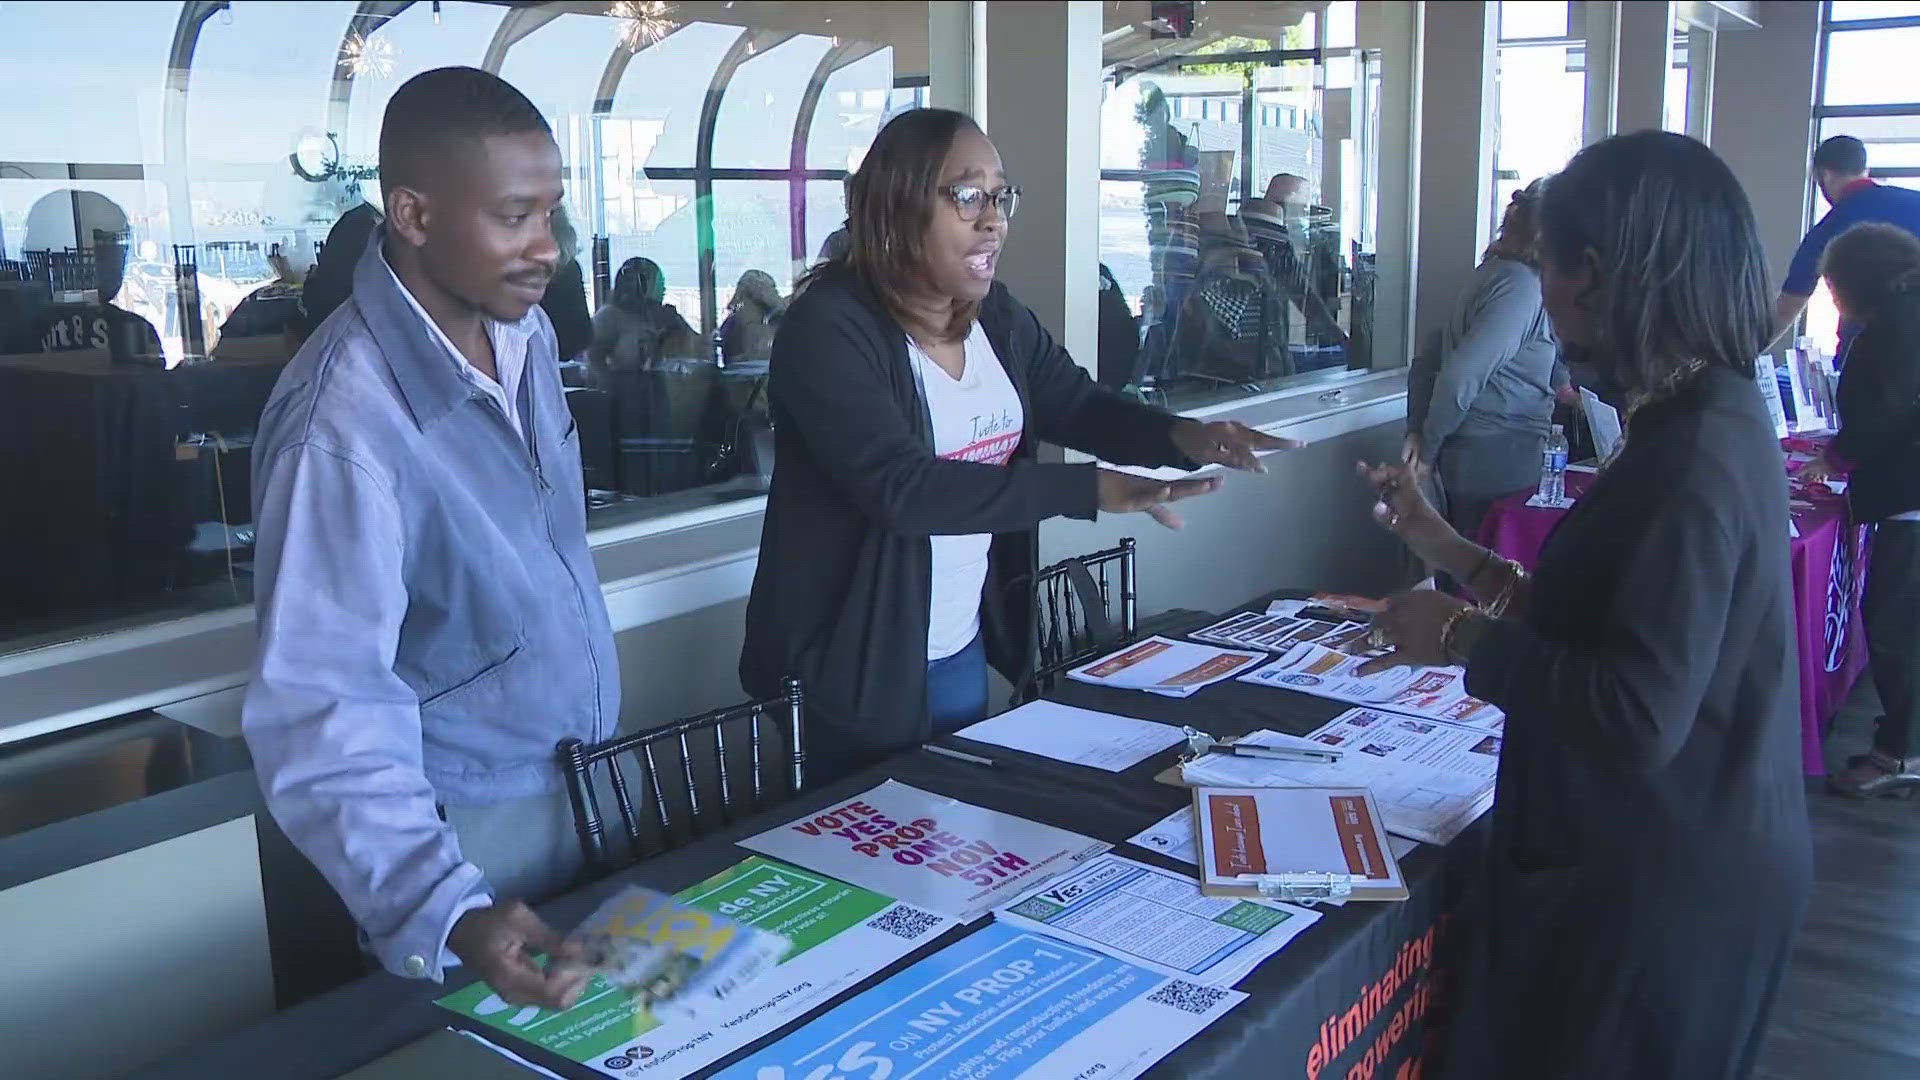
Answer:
(1851, 1004)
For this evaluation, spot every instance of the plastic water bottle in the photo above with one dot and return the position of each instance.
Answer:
(1553, 468)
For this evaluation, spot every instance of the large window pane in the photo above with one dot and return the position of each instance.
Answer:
(1533, 19)
(1845, 10)
(1872, 67)
(1541, 93)
(763, 98)
(1893, 142)
(1237, 208)
(194, 204)
(853, 103)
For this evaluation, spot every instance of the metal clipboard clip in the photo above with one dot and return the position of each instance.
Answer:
(1302, 885)
(1199, 744)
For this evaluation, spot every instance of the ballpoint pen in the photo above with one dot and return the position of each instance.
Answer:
(1279, 753)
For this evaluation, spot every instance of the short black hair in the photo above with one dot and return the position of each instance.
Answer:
(1843, 154)
(1681, 274)
(435, 111)
(1866, 262)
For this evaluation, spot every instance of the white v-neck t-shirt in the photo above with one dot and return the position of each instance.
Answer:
(978, 418)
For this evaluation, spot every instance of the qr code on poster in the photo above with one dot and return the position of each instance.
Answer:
(1187, 997)
(907, 922)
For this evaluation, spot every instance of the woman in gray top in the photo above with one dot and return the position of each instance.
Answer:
(1481, 390)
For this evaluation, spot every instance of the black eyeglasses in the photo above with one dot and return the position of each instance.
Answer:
(972, 200)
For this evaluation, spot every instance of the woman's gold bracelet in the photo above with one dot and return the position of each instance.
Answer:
(1497, 608)
(1448, 628)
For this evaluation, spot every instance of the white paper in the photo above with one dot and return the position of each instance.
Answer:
(1258, 831)
(1158, 920)
(950, 857)
(1163, 666)
(1401, 845)
(1081, 736)
(1171, 836)
(1428, 693)
(1431, 779)
(1766, 378)
(1603, 420)
(1279, 633)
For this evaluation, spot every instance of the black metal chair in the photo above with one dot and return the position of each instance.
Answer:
(1082, 608)
(704, 807)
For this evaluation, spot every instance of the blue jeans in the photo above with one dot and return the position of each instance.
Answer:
(957, 689)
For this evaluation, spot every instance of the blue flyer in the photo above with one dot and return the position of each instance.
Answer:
(1002, 1002)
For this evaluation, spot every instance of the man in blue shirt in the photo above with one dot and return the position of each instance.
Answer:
(430, 622)
(1840, 170)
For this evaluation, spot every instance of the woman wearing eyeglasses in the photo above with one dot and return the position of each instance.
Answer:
(909, 393)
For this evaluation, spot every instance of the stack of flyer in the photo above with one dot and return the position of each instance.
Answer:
(1430, 693)
(834, 934)
(1430, 778)
(1167, 667)
(1280, 632)
(1004, 1001)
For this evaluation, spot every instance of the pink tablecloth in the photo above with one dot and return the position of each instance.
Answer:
(1829, 570)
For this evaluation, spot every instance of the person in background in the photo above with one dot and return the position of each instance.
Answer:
(1874, 273)
(430, 620)
(1480, 392)
(1648, 857)
(330, 281)
(752, 317)
(909, 393)
(636, 327)
(1853, 197)
(566, 300)
(101, 325)
(835, 245)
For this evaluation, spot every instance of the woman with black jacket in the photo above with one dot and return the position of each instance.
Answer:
(1873, 272)
(909, 394)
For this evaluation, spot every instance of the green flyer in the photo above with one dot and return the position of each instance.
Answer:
(839, 933)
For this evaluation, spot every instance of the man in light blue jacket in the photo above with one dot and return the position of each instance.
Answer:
(430, 621)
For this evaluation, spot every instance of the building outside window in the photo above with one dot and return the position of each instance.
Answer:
(184, 164)
(1239, 200)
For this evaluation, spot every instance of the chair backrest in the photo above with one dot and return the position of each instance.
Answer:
(679, 805)
(1082, 607)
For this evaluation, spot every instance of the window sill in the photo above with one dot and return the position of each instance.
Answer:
(1310, 412)
(193, 668)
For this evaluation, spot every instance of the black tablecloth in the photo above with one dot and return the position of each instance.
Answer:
(1352, 996)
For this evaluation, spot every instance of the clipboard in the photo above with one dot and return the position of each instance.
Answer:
(1294, 844)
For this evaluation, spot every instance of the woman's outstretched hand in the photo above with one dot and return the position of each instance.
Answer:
(1227, 442)
(1411, 625)
(1401, 507)
(1125, 493)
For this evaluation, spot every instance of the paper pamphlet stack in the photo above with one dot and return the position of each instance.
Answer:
(836, 935)
(1279, 632)
(1247, 836)
(1003, 1001)
(1158, 919)
(952, 858)
(1431, 779)
(1428, 693)
(1163, 666)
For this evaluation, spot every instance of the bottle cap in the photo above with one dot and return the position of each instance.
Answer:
(1559, 430)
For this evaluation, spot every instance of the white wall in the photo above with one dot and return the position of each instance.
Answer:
(1763, 118)
(1456, 155)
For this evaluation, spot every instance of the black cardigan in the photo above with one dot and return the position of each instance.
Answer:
(1879, 400)
(842, 591)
